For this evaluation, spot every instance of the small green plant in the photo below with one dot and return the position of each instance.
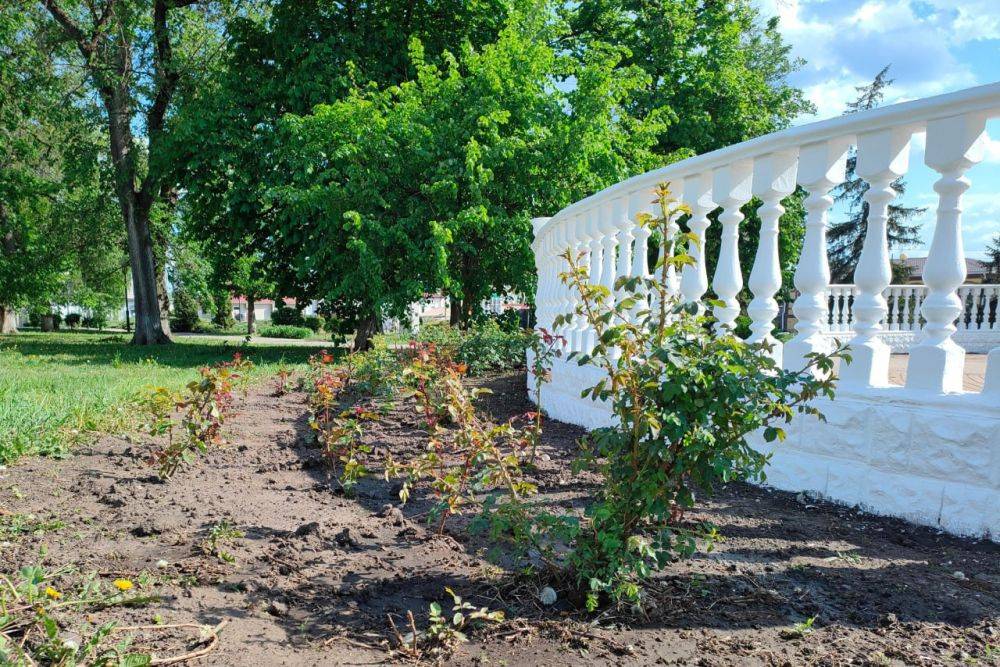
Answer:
(445, 630)
(221, 535)
(800, 630)
(849, 557)
(13, 525)
(283, 381)
(466, 455)
(545, 347)
(203, 407)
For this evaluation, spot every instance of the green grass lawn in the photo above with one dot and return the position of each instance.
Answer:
(57, 389)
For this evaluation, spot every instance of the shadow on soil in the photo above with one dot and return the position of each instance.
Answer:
(781, 562)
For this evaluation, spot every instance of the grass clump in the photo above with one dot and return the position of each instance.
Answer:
(60, 389)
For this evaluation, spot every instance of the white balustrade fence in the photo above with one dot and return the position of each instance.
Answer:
(977, 328)
(927, 451)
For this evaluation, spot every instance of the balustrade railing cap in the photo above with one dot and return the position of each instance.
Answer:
(915, 113)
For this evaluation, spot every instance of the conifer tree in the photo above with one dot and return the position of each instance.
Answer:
(847, 237)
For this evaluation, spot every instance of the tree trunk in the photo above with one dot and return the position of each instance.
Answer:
(366, 330)
(162, 296)
(7, 317)
(455, 311)
(251, 316)
(149, 326)
(135, 205)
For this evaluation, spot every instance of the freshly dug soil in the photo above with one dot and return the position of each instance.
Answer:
(317, 573)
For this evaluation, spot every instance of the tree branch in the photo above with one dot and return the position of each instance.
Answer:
(69, 25)
(166, 77)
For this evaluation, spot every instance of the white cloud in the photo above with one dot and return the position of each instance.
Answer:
(846, 42)
(991, 150)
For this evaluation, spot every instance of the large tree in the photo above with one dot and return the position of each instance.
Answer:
(717, 69)
(135, 54)
(847, 236)
(431, 182)
(302, 53)
(57, 233)
(993, 260)
(718, 79)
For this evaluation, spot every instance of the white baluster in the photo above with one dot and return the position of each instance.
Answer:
(846, 298)
(573, 244)
(638, 203)
(904, 315)
(607, 221)
(826, 319)
(673, 283)
(560, 293)
(893, 302)
(544, 276)
(569, 295)
(821, 166)
(606, 224)
(773, 180)
(578, 334)
(883, 157)
(624, 225)
(537, 224)
(977, 301)
(694, 277)
(953, 145)
(596, 257)
(963, 297)
(832, 305)
(731, 188)
(994, 324)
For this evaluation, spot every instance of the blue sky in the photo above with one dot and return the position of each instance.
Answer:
(934, 46)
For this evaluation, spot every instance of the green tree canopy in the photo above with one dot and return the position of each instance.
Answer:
(60, 239)
(420, 171)
(431, 182)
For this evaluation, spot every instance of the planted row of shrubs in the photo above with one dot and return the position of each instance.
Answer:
(684, 400)
(72, 320)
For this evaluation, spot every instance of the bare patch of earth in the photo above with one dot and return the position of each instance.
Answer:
(317, 573)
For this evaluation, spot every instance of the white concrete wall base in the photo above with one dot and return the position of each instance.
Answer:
(928, 458)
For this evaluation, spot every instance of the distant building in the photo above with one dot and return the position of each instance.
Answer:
(976, 270)
(263, 308)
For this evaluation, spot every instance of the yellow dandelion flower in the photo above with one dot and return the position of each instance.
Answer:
(52, 593)
(123, 585)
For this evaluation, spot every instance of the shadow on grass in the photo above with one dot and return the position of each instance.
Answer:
(114, 348)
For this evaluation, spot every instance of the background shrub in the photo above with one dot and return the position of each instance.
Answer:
(489, 348)
(185, 315)
(315, 322)
(283, 315)
(96, 320)
(490, 345)
(284, 331)
(73, 320)
(206, 328)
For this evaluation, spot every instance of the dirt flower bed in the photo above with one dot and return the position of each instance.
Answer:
(258, 543)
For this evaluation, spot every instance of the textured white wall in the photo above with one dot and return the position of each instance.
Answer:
(930, 459)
